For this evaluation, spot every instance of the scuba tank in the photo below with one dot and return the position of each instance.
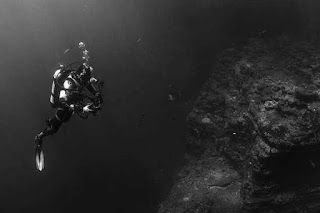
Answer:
(59, 77)
(63, 73)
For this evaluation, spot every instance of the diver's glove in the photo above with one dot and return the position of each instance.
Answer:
(91, 108)
(87, 108)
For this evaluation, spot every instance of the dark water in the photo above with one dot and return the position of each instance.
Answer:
(138, 48)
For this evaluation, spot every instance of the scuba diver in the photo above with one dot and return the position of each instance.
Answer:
(73, 91)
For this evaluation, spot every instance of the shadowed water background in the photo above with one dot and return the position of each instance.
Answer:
(138, 48)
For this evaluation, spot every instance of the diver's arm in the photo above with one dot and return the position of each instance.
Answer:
(78, 108)
(93, 90)
(75, 107)
(81, 109)
(71, 107)
(64, 103)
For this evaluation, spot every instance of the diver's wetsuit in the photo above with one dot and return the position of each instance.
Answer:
(62, 115)
(69, 104)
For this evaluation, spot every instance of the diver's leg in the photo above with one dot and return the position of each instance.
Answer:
(53, 125)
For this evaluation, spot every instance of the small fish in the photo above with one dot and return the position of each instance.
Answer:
(66, 51)
(312, 164)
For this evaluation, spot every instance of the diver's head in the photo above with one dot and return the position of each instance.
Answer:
(83, 74)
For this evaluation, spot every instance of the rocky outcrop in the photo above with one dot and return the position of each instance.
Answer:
(253, 134)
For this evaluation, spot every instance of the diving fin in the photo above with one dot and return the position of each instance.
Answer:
(39, 158)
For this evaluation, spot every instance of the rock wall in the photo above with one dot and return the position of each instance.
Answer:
(253, 134)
